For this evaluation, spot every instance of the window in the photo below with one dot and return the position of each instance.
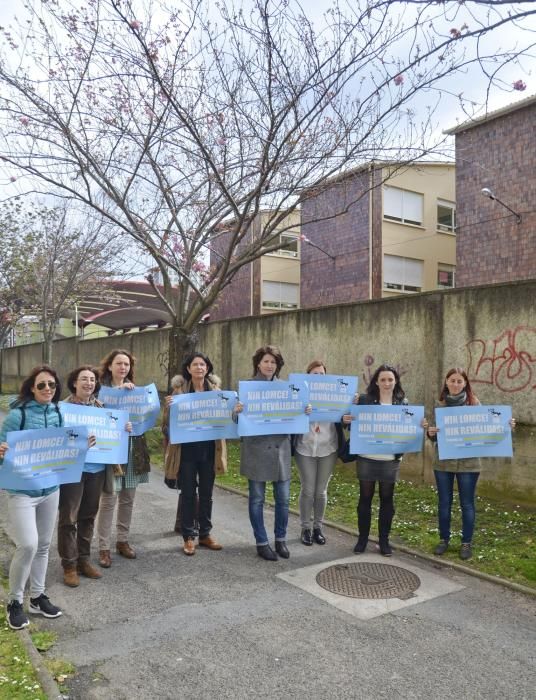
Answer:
(446, 216)
(446, 276)
(289, 246)
(280, 295)
(402, 205)
(402, 274)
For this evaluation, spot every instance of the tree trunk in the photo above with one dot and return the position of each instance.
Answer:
(181, 344)
(48, 344)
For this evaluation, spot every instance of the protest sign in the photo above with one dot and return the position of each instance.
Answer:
(474, 431)
(330, 395)
(206, 415)
(273, 408)
(108, 427)
(142, 404)
(40, 459)
(386, 429)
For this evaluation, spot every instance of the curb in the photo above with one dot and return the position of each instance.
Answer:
(45, 678)
(442, 564)
(49, 685)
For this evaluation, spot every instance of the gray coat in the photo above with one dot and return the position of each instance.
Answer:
(265, 457)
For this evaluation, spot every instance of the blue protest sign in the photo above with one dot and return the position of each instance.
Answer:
(39, 459)
(386, 429)
(108, 427)
(206, 415)
(142, 404)
(330, 395)
(273, 408)
(474, 431)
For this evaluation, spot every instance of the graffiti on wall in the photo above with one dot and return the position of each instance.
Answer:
(508, 361)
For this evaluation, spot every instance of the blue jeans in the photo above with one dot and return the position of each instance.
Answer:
(257, 490)
(466, 491)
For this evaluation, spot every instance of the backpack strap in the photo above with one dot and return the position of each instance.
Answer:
(23, 417)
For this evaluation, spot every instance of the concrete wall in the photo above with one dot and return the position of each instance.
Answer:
(491, 331)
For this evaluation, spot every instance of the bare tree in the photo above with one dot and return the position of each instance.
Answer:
(180, 124)
(56, 261)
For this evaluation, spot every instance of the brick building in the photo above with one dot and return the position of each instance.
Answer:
(385, 230)
(497, 152)
(269, 284)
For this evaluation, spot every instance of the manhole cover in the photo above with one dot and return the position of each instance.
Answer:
(369, 580)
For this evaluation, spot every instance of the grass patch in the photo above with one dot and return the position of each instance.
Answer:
(18, 680)
(42, 640)
(5, 400)
(504, 539)
(60, 670)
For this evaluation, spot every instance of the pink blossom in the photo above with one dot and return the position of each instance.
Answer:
(25, 121)
(304, 238)
(222, 141)
(135, 24)
(455, 33)
(13, 178)
(399, 79)
(519, 85)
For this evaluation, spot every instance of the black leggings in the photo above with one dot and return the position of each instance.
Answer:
(364, 508)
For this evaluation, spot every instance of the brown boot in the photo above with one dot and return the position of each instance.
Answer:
(86, 568)
(125, 550)
(70, 576)
(105, 558)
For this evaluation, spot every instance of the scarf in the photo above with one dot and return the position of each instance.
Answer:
(456, 400)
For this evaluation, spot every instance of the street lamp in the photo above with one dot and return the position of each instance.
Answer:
(488, 193)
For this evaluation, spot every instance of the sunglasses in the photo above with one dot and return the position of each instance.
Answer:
(43, 385)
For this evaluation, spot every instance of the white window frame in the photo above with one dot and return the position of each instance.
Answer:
(401, 206)
(287, 253)
(446, 228)
(404, 273)
(276, 298)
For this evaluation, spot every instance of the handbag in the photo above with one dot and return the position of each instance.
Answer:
(344, 453)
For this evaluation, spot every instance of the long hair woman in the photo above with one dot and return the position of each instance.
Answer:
(456, 391)
(193, 465)
(117, 370)
(384, 389)
(32, 513)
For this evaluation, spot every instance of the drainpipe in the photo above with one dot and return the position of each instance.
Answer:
(371, 209)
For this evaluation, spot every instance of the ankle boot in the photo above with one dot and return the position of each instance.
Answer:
(70, 576)
(361, 544)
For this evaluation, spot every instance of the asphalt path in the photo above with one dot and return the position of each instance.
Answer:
(225, 625)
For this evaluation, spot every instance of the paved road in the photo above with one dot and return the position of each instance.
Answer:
(225, 625)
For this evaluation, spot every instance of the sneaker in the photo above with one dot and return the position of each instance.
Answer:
(43, 606)
(466, 551)
(16, 617)
(441, 547)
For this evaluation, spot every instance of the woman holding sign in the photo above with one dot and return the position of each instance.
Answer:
(384, 389)
(193, 465)
(267, 458)
(456, 391)
(32, 514)
(117, 370)
(315, 454)
(79, 502)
